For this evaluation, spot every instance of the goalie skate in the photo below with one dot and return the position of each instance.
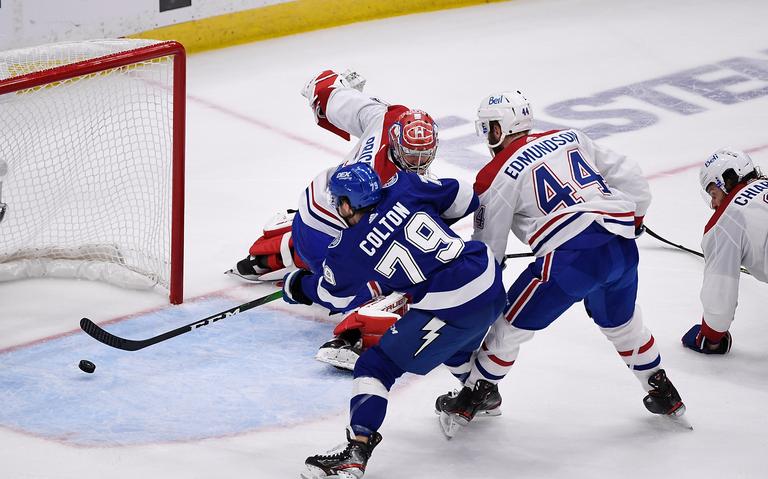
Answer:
(340, 353)
(268, 276)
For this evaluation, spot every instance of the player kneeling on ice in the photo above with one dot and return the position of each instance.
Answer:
(399, 240)
(735, 236)
(392, 138)
(579, 206)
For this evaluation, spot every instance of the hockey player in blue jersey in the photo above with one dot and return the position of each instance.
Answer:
(391, 138)
(399, 240)
(579, 206)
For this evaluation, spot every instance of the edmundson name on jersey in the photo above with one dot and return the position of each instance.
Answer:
(537, 150)
(375, 238)
(750, 192)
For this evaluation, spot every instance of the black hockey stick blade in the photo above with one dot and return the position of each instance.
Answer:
(96, 332)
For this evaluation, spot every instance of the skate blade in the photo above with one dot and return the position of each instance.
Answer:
(451, 423)
(347, 363)
(307, 475)
(276, 275)
(311, 472)
(247, 277)
(489, 413)
(677, 419)
(269, 277)
(315, 473)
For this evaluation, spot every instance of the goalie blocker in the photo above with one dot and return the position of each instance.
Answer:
(362, 329)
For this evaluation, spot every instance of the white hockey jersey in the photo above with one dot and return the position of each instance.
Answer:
(736, 235)
(550, 186)
(367, 119)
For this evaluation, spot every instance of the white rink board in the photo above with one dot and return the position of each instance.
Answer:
(35, 22)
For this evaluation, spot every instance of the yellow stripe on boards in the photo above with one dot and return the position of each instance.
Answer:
(289, 18)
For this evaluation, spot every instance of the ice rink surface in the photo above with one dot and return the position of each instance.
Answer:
(665, 82)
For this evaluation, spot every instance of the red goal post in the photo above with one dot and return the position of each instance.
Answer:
(92, 138)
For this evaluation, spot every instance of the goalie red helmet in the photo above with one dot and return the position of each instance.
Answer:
(413, 139)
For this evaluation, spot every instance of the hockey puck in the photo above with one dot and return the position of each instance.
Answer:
(86, 366)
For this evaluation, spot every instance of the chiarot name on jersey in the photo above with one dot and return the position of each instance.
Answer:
(742, 199)
(392, 218)
(537, 150)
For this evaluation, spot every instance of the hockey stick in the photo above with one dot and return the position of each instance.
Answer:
(96, 332)
(688, 250)
(517, 255)
(679, 246)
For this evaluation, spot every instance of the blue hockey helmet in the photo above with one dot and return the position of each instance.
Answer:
(358, 183)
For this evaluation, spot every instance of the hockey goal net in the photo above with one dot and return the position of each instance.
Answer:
(92, 162)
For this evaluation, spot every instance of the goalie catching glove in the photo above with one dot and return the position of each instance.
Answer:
(319, 90)
(362, 329)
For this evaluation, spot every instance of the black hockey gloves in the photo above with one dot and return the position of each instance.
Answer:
(292, 292)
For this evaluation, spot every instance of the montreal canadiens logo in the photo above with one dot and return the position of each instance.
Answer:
(419, 133)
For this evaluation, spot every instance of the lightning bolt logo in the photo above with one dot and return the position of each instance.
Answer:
(432, 328)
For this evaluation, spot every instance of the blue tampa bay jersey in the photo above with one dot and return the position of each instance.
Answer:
(406, 245)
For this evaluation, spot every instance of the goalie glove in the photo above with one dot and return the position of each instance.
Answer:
(319, 89)
(696, 340)
(362, 329)
(374, 318)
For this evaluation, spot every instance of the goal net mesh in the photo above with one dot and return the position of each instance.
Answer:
(89, 167)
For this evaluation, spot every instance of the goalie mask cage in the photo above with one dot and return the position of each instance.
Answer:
(92, 134)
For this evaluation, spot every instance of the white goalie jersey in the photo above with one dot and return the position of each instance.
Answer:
(367, 119)
(548, 187)
(736, 235)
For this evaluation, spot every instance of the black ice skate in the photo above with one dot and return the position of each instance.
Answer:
(341, 352)
(249, 268)
(458, 409)
(346, 463)
(663, 398)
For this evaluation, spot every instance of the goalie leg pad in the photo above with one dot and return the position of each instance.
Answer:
(319, 89)
(279, 224)
(277, 251)
(274, 250)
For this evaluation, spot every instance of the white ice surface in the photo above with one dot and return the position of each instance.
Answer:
(570, 407)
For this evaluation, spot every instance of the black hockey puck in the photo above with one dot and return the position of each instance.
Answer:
(86, 366)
